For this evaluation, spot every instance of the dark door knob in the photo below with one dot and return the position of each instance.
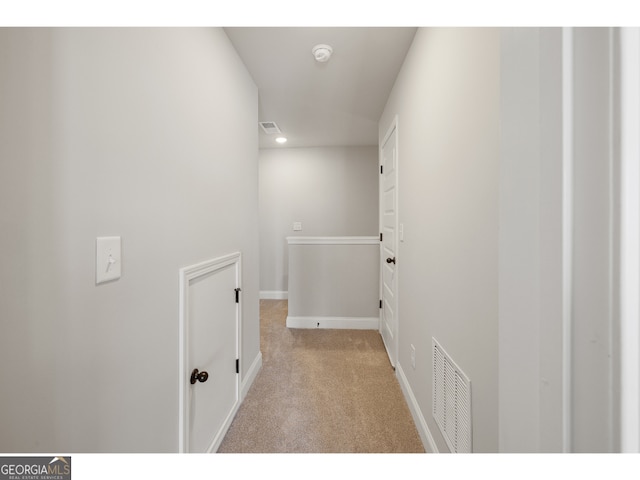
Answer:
(197, 376)
(391, 260)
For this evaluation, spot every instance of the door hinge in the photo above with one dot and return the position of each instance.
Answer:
(237, 290)
(380, 304)
(237, 365)
(380, 169)
(380, 237)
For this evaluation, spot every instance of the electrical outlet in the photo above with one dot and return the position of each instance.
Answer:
(413, 356)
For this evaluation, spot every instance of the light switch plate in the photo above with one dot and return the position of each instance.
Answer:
(297, 226)
(108, 259)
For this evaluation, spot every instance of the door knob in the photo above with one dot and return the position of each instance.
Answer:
(197, 376)
(391, 260)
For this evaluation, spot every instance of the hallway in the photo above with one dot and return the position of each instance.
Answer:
(516, 235)
(321, 391)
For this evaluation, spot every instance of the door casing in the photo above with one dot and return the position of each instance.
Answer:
(392, 349)
(187, 274)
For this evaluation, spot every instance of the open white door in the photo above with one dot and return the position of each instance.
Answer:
(388, 247)
(209, 378)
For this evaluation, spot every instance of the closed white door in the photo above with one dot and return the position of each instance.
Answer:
(210, 378)
(388, 248)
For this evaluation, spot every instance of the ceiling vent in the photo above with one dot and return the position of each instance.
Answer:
(270, 127)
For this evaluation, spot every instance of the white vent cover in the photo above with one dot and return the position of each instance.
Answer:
(270, 127)
(451, 401)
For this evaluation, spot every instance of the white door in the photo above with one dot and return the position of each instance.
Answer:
(210, 381)
(388, 248)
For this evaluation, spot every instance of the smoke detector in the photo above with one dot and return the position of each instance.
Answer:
(322, 53)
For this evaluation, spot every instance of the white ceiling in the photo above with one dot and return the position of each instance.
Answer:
(337, 103)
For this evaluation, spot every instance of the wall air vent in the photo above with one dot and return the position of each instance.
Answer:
(270, 127)
(451, 401)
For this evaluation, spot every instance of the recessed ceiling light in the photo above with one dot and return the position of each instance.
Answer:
(281, 139)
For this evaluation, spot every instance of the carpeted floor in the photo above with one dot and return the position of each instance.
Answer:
(321, 391)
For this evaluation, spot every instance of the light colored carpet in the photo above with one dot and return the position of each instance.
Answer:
(321, 391)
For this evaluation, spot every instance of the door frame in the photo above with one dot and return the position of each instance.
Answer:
(390, 130)
(187, 274)
(628, 242)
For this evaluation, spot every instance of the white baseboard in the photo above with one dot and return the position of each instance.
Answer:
(273, 295)
(247, 381)
(346, 323)
(421, 424)
(219, 437)
(251, 375)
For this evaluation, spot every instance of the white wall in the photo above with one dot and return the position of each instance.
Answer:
(592, 355)
(149, 134)
(335, 280)
(531, 384)
(333, 191)
(509, 200)
(557, 241)
(447, 98)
